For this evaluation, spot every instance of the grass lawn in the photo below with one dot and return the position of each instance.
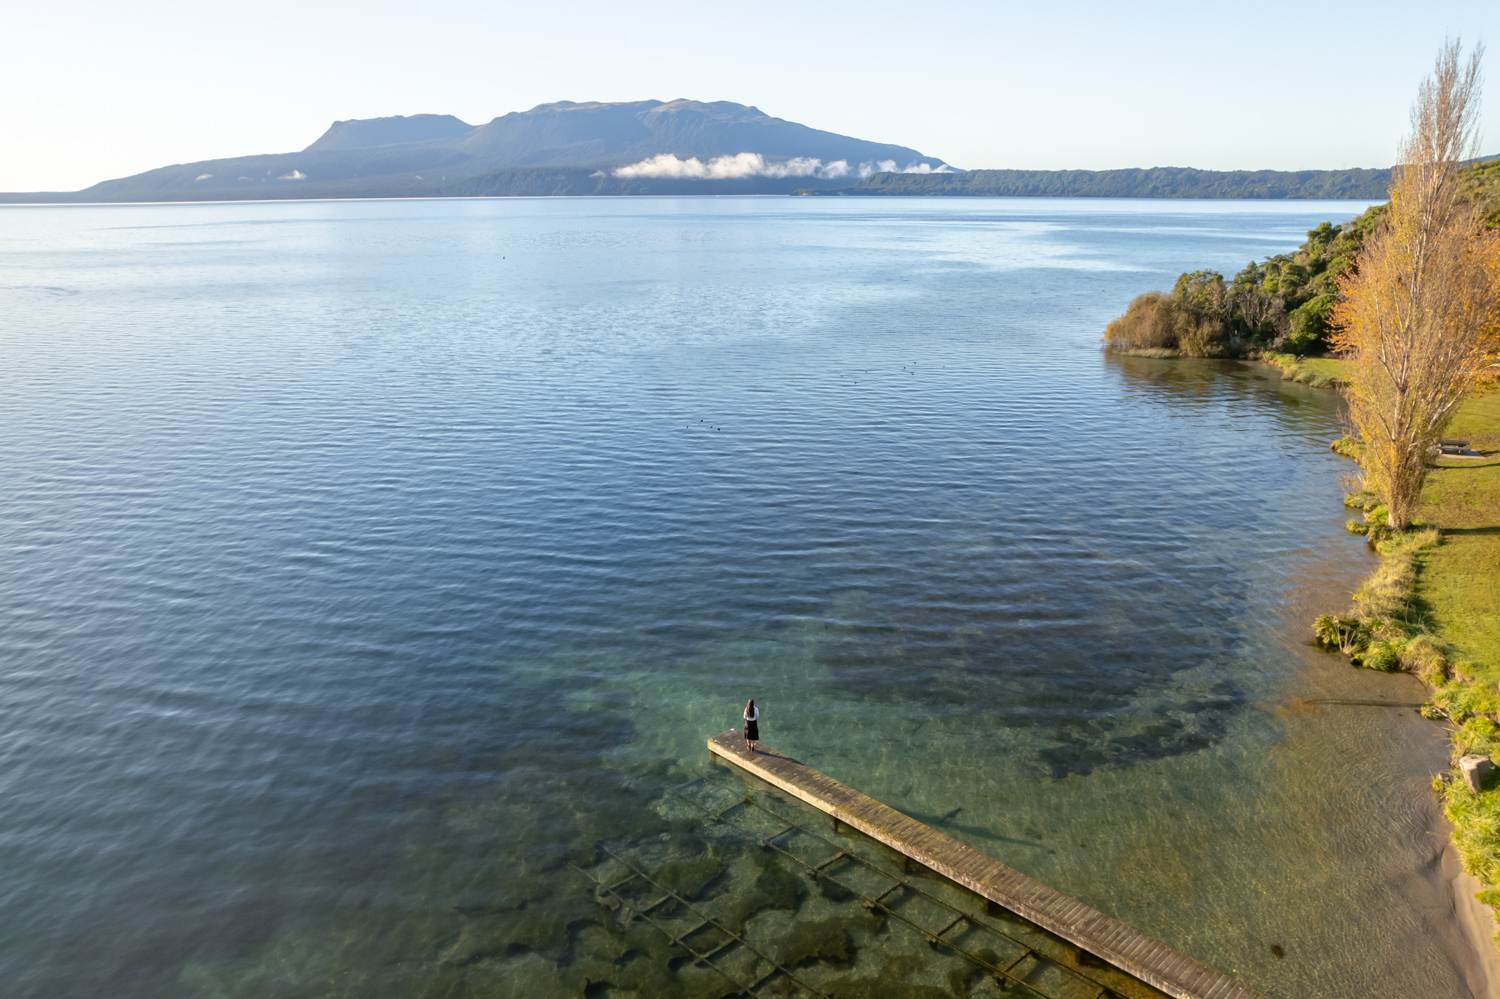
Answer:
(1458, 588)
(1456, 593)
(1319, 372)
(1459, 580)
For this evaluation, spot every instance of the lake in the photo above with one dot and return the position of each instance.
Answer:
(365, 565)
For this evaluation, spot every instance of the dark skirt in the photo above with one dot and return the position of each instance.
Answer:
(752, 731)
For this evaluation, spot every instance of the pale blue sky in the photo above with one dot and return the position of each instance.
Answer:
(97, 90)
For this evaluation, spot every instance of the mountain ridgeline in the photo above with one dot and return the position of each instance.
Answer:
(560, 148)
(656, 147)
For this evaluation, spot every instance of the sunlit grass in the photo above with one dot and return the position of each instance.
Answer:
(1432, 607)
(1319, 372)
(1458, 585)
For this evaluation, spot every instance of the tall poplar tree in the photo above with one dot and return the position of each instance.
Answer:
(1419, 316)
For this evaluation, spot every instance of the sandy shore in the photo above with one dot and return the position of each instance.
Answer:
(1482, 969)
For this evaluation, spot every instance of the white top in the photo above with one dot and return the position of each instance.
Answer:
(753, 715)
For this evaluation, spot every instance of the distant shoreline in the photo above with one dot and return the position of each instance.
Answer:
(178, 183)
(16, 201)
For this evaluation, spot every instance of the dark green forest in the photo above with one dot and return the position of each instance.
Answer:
(1281, 304)
(1155, 182)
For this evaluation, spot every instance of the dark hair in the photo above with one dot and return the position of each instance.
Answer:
(749, 705)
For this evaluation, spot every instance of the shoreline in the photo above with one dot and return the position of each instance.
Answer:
(1474, 918)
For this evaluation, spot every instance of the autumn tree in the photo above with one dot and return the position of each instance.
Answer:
(1419, 315)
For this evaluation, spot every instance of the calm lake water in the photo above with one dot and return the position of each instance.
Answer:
(363, 565)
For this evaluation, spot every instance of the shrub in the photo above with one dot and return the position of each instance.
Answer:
(1343, 632)
(1425, 659)
(1201, 337)
(1307, 328)
(1381, 630)
(1149, 323)
(1384, 656)
(1476, 829)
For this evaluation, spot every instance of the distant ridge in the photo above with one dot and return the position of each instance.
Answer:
(657, 147)
(368, 133)
(1357, 183)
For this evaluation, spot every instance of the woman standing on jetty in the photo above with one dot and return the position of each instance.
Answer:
(752, 724)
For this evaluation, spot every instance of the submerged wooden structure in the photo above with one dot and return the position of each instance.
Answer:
(1105, 937)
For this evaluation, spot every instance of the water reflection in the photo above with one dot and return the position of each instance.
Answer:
(356, 584)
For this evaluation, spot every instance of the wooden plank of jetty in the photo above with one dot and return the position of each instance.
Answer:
(1133, 952)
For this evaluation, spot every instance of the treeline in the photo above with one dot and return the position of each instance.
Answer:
(1281, 304)
(560, 182)
(1155, 182)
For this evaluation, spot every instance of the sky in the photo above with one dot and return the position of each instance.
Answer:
(97, 90)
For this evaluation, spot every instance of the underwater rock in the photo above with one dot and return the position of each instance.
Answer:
(833, 891)
(523, 975)
(629, 964)
(869, 987)
(689, 877)
(824, 940)
(814, 941)
(775, 888)
(479, 939)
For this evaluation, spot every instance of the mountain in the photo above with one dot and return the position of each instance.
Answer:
(367, 133)
(658, 147)
(597, 135)
(681, 146)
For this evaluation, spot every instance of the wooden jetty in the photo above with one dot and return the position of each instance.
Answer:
(1148, 959)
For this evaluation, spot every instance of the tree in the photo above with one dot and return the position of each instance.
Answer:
(1308, 324)
(1420, 311)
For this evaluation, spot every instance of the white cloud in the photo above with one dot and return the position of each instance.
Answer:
(294, 175)
(889, 166)
(741, 165)
(202, 176)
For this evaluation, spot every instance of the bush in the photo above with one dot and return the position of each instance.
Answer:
(1381, 630)
(1201, 337)
(1307, 328)
(1282, 302)
(1342, 632)
(1150, 323)
(1384, 656)
(1425, 659)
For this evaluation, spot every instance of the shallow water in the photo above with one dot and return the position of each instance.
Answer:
(363, 564)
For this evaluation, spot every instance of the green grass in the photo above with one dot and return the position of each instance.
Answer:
(1319, 372)
(1460, 578)
(1458, 583)
(1432, 607)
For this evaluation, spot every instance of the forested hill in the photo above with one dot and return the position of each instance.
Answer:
(1358, 183)
(1282, 304)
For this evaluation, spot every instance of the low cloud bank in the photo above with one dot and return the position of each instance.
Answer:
(742, 165)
